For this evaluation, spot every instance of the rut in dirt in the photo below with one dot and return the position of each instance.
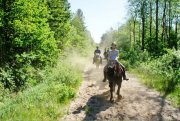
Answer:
(139, 103)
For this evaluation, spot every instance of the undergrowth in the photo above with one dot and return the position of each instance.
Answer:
(44, 102)
(161, 73)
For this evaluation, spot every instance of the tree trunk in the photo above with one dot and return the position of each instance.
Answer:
(176, 32)
(134, 31)
(139, 33)
(164, 22)
(169, 18)
(130, 31)
(150, 27)
(176, 27)
(143, 24)
(157, 30)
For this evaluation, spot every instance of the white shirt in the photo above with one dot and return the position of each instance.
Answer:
(113, 55)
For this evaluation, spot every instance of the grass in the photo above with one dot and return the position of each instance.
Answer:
(160, 84)
(46, 101)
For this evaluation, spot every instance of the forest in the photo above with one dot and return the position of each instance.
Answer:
(38, 36)
(35, 38)
(149, 44)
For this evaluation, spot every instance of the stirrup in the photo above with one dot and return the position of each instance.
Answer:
(125, 79)
(104, 80)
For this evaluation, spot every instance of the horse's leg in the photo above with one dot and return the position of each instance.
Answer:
(111, 91)
(118, 90)
(114, 87)
(105, 73)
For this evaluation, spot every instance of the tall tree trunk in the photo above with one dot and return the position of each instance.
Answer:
(130, 32)
(164, 22)
(176, 32)
(169, 18)
(157, 30)
(150, 27)
(143, 24)
(139, 33)
(176, 26)
(134, 31)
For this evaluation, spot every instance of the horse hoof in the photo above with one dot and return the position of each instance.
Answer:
(111, 100)
(119, 97)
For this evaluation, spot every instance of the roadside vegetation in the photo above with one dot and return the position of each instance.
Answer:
(37, 78)
(149, 45)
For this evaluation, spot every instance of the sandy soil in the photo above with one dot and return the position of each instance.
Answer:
(139, 103)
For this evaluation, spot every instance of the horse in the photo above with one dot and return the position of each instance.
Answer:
(97, 60)
(106, 55)
(114, 75)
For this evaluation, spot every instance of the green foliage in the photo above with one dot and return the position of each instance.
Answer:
(59, 20)
(163, 74)
(33, 82)
(43, 101)
(32, 39)
(26, 42)
(35, 30)
(12, 78)
(134, 57)
(80, 37)
(4, 94)
(64, 75)
(147, 42)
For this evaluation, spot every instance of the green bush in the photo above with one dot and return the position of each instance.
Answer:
(163, 74)
(46, 101)
(134, 57)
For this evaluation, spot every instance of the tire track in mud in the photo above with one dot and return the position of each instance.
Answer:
(139, 103)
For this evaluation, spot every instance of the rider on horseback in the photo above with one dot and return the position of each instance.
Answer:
(97, 51)
(113, 56)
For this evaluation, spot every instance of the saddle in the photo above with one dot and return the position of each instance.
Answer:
(118, 69)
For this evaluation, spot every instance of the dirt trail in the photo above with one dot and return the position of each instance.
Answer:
(138, 103)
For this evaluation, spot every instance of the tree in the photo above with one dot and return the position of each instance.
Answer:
(82, 40)
(26, 39)
(59, 20)
(150, 22)
(143, 5)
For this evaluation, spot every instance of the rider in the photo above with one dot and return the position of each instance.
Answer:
(98, 51)
(105, 53)
(113, 56)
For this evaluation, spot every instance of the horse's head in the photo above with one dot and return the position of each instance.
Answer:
(97, 54)
(111, 68)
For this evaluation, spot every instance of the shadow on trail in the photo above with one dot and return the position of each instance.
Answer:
(95, 105)
(170, 88)
(162, 99)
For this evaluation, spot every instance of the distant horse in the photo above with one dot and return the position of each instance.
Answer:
(97, 60)
(114, 75)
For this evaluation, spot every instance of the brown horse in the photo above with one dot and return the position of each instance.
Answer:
(114, 75)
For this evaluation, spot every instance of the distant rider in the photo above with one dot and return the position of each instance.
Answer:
(97, 51)
(105, 53)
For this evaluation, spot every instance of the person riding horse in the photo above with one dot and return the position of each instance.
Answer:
(97, 51)
(106, 53)
(113, 57)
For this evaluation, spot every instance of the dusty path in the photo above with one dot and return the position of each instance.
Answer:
(138, 103)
